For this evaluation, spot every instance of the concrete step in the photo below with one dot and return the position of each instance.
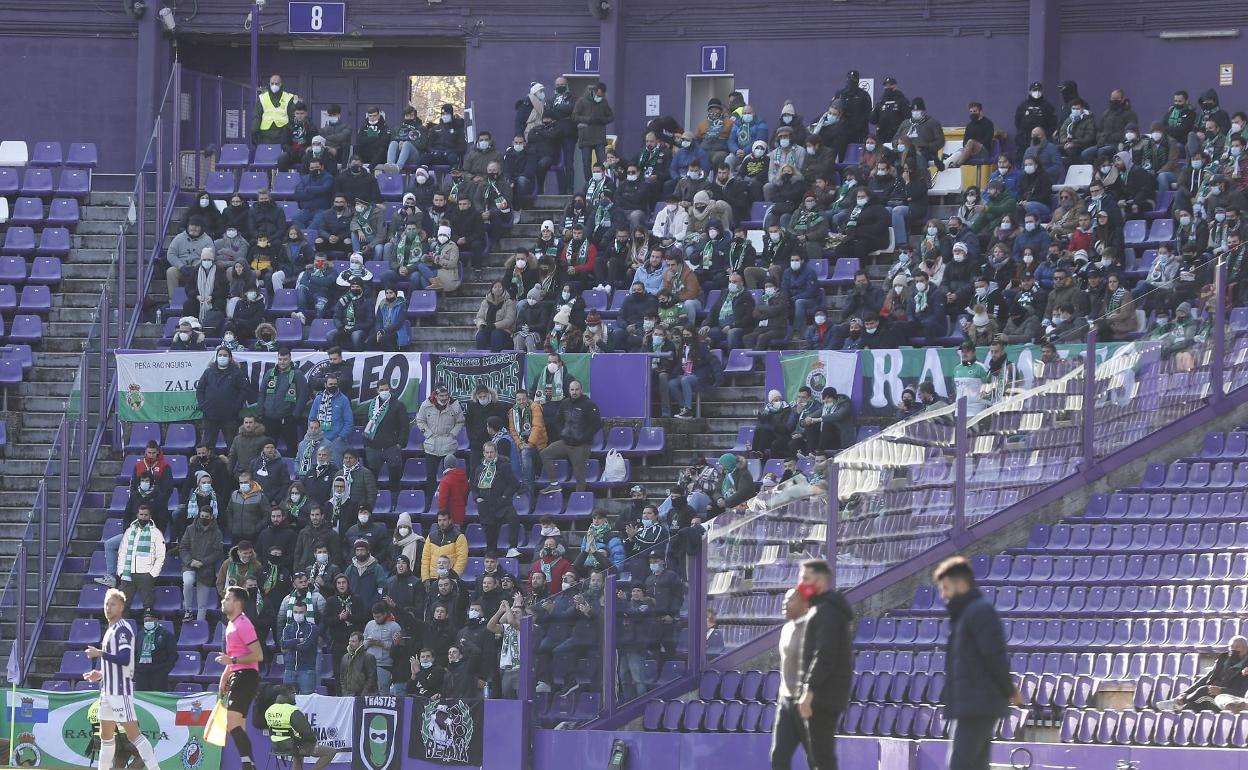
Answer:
(94, 272)
(101, 212)
(118, 199)
(45, 419)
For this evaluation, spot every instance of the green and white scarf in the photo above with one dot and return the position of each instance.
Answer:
(325, 412)
(138, 543)
(727, 487)
(376, 413)
(578, 255)
(488, 469)
(270, 386)
(523, 418)
(361, 219)
(192, 505)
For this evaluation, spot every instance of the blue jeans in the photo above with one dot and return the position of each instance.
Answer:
(494, 340)
(304, 218)
(311, 302)
(112, 549)
(305, 682)
(681, 389)
(530, 467)
(899, 223)
(632, 674)
(384, 678)
(802, 308)
(402, 154)
(377, 252)
(587, 157)
(1165, 180)
(442, 157)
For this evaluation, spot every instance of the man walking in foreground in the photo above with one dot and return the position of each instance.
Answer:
(811, 710)
(978, 688)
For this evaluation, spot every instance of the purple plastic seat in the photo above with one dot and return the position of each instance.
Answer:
(250, 183)
(84, 632)
(82, 155)
(233, 157)
(45, 271)
(8, 299)
(12, 270)
(266, 156)
(843, 271)
(47, 155)
(318, 333)
(140, 434)
(74, 183)
(289, 331)
(283, 187)
(652, 719)
(219, 184)
(422, 303)
(187, 664)
(63, 212)
(36, 299)
(54, 241)
(37, 182)
(26, 211)
(391, 186)
(73, 665)
(26, 329)
(19, 240)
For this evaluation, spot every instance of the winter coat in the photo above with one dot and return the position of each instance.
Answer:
(451, 544)
(977, 661)
(391, 318)
(341, 420)
(248, 513)
(504, 317)
(222, 393)
(453, 494)
(591, 120)
(138, 563)
(203, 544)
(441, 427)
(826, 669)
(367, 580)
(357, 674)
(273, 403)
(447, 261)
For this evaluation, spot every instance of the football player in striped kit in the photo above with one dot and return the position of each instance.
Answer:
(116, 678)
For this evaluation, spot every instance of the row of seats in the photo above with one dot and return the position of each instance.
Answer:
(50, 242)
(1162, 477)
(1187, 728)
(761, 686)
(33, 299)
(42, 183)
(42, 271)
(1207, 506)
(61, 212)
(22, 329)
(1138, 537)
(16, 153)
(1208, 634)
(180, 438)
(1225, 599)
(1163, 568)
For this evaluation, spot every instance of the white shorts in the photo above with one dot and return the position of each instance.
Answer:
(117, 708)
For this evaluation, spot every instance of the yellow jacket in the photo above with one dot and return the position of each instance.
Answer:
(537, 436)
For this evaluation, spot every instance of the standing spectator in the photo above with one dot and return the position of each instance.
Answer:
(1034, 112)
(365, 574)
(483, 406)
(299, 651)
(591, 115)
(332, 410)
(344, 613)
(360, 481)
(316, 535)
(314, 192)
(222, 391)
(440, 418)
(1180, 118)
(978, 686)
(453, 489)
(358, 668)
(249, 510)
(278, 540)
(527, 424)
(551, 563)
(576, 423)
(318, 479)
(493, 484)
(200, 551)
(155, 656)
(141, 558)
(381, 635)
(283, 399)
(890, 109)
(274, 109)
(385, 435)
(247, 444)
(447, 540)
(270, 472)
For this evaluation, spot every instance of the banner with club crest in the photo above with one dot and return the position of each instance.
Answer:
(448, 731)
(462, 374)
(57, 729)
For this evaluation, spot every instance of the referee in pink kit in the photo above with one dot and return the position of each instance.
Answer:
(240, 680)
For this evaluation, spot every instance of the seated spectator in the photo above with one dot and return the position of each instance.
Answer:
(771, 434)
(315, 288)
(446, 260)
(834, 427)
(495, 319)
(409, 256)
(731, 317)
(407, 141)
(391, 328)
(368, 229)
(736, 486)
(203, 210)
(771, 314)
(333, 227)
(231, 246)
(866, 228)
(1221, 685)
(628, 331)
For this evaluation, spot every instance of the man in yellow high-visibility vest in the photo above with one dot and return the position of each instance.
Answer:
(272, 111)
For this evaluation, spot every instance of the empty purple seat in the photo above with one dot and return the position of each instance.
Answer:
(187, 664)
(26, 211)
(46, 271)
(54, 241)
(284, 185)
(12, 270)
(74, 183)
(652, 719)
(37, 182)
(252, 182)
(74, 665)
(63, 212)
(36, 299)
(843, 271)
(266, 156)
(422, 303)
(26, 329)
(19, 240)
(219, 184)
(83, 632)
(391, 186)
(47, 155)
(318, 333)
(233, 156)
(82, 155)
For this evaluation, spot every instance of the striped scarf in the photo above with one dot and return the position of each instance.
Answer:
(192, 505)
(138, 543)
(488, 469)
(1115, 300)
(523, 417)
(376, 413)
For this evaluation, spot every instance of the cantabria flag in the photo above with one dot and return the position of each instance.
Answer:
(819, 369)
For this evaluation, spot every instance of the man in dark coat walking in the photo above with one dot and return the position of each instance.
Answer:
(978, 688)
(825, 673)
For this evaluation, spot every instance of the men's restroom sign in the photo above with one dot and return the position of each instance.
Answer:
(714, 59)
(585, 59)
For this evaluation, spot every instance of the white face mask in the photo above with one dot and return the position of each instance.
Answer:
(1035, 94)
(862, 201)
(784, 143)
(223, 361)
(1155, 136)
(959, 256)
(552, 368)
(632, 177)
(1028, 259)
(597, 176)
(363, 517)
(274, 89)
(821, 319)
(443, 238)
(759, 152)
(932, 231)
(184, 336)
(795, 265)
(206, 263)
(483, 146)
(1029, 169)
(1130, 136)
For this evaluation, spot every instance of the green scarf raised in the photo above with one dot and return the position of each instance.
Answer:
(488, 469)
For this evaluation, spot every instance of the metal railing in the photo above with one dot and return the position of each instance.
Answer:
(81, 433)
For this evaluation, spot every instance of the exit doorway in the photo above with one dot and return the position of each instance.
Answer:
(698, 91)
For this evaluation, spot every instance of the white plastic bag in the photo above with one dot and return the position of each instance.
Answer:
(614, 470)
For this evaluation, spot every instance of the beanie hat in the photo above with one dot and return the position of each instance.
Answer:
(444, 230)
(535, 86)
(728, 460)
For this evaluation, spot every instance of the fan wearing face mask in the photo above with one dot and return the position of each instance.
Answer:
(274, 109)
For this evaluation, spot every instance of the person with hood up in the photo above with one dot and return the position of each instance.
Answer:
(222, 391)
(364, 573)
(249, 510)
(736, 486)
(445, 539)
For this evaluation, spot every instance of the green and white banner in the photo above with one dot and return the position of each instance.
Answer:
(332, 720)
(461, 375)
(886, 373)
(55, 729)
(160, 386)
(818, 370)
